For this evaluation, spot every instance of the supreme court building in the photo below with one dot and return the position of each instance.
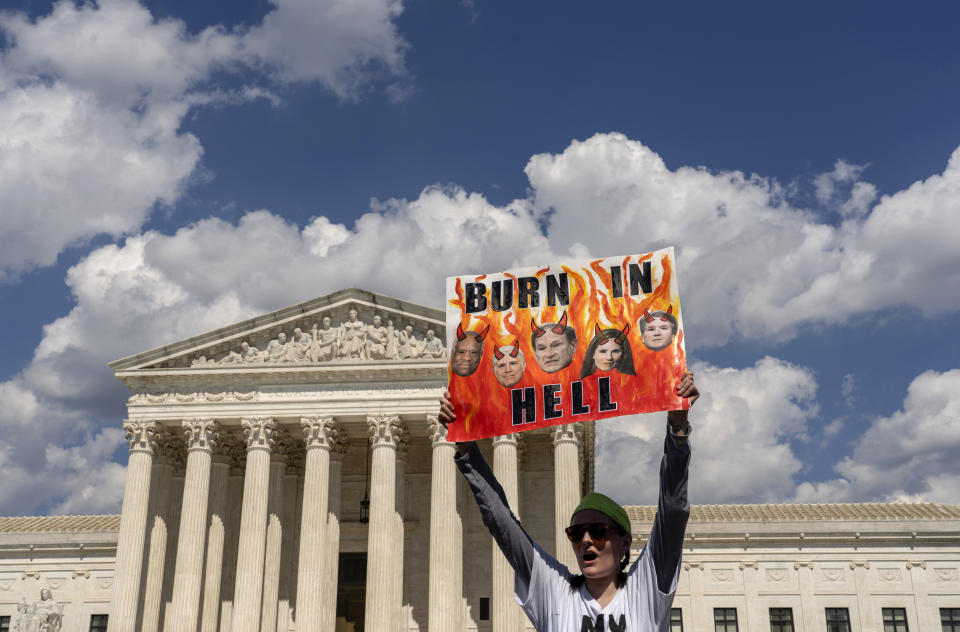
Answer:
(289, 473)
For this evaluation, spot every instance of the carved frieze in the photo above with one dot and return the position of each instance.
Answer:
(946, 574)
(321, 341)
(777, 574)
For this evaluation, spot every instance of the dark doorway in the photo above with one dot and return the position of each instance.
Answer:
(352, 588)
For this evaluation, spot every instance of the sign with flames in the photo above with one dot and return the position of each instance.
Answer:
(574, 341)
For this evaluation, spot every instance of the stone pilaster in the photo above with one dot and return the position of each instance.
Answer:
(446, 535)
(331, 539)
(566, 485)
(398, 529)
(201, 437)
(275, 528)
(141, 440)
(238, 462)
(292, 475)
(381, 613)
(248, 593)
(216, 536)
(160, 525)
(506, 616)
(319, 433)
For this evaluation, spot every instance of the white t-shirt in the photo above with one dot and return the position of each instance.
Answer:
(553, 607)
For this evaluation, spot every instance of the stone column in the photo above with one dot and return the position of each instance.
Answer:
(294, 459)
(140, 437)
(275, 528)
(248, 593)
(380, 612)
(216, 538)
(566, 485)
(319, 433)
(160, 525)
(201, 436)
(446, 535)
(506, 616)
(331, 539)
(238, 462)
(399, 535)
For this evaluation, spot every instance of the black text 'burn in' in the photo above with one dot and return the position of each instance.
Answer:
(556, 288)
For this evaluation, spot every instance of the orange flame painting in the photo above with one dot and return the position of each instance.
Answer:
(574, 341)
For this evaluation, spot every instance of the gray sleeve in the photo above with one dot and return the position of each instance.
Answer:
(516, 545)
(673, 509)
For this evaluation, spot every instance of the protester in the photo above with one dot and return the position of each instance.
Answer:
(604, 594)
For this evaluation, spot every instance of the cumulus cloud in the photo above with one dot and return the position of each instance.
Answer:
(751, 265)
(92, 96)
(750, 416)
(912, 455)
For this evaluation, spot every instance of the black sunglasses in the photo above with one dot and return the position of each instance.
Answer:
(598, 532)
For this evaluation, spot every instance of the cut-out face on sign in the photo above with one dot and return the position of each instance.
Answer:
(508, 364)
(467, 351)
(609, 350)
(553, 344)
(657, 329)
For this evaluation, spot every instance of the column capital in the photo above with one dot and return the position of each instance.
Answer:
(385, 430)
(141, 435)
(259, 432)
(567, 433)
(320, 432)
(437, 432)
(201, 433)
(339, 448)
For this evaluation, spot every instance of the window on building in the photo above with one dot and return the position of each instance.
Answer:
(781, 619)
(895, 620)
(4, 624)
(676, 620)
(838, 620)
(950, 619)
(484, 608)
(98, 623)
(725, 619)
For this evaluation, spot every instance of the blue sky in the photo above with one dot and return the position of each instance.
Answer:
(171, 167)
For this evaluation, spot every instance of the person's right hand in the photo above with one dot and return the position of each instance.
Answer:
(447, 416)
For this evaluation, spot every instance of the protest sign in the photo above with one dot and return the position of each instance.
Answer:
(573, 341)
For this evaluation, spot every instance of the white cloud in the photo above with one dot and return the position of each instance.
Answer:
(92, 96)
(742, 428)
(750, 264)
(914, 454)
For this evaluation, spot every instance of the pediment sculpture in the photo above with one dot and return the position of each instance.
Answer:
(45, 615)
(351, 339)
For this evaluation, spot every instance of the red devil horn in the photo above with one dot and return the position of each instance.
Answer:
(460, 334)
(599, 331)
(561, 326)
(623, 334)
(537, 329)
(669, 310)
(497, 353)
(483, 334)
(516, 348)
(647, 316)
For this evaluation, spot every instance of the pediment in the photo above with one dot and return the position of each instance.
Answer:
(302, 335)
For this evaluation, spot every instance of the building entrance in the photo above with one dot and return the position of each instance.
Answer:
(351, 591)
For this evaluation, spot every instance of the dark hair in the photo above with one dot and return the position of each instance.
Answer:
(568, 331)
(576, 581)
(624, 365)
(670, 318)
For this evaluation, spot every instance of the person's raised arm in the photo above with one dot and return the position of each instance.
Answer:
(516, 545)
(673, 509)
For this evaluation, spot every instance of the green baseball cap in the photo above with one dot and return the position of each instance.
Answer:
(607, 506)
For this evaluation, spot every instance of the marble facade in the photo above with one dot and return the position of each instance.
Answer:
(243, 503)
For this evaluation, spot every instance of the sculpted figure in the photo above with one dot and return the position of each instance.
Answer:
(409, 345)
(352, 334)
(201, 361)
(393, 349)
(299, 348)
(376, 346)
(45, 615)
(232, 357)
(276, 349)
(250, 354)
(22, 608)
(433, 346)
(326, 346)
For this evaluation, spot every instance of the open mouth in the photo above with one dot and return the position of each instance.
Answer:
(589, 556)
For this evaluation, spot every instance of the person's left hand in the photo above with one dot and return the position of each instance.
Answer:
(678, 418)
